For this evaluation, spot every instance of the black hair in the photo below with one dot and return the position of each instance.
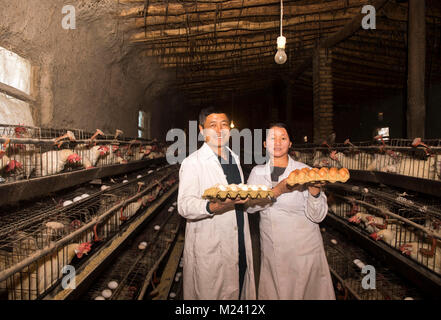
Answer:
(281, 125)
(205, 112)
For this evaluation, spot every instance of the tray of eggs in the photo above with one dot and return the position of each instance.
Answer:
(306, 175)
(242, 191)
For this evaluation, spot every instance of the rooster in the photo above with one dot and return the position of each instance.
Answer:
(322, 160)
(109, 156)
(129, 210)
(45, 272)
(96, 153)
(6, 163)
(53, 162)
(430, 257)
(385, 235)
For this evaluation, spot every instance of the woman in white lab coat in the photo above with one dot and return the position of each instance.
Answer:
(293, 260)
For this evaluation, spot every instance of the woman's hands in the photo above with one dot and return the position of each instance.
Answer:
(282, 187)
(315, 189)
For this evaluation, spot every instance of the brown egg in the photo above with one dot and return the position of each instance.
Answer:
(292, 178)
(312, 175)
(301, 177)
(333, 175)
(344, 174)
(323, 174)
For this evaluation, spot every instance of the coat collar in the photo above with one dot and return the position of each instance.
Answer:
(205, 152)
(266, 170)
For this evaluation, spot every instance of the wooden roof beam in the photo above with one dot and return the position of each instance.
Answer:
(290, 8)
(301, 24)
(339, 36)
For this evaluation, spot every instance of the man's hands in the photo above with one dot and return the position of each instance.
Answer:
(218, 206)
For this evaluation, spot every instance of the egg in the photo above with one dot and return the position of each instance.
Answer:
(106, 293)
(67, 203)
(171, 209)
(142, 245)
(84, 196)
(100, 298)
(366, 190)
(408, 298)
(157, 227)
(175, 203)
(112, 285)
(138, 176)
(181, 264)
(125, 181)
(179, 274)
(150, 171)
(104, 188)
(358, 263)
(172, 295)
(76, 199)
(334, 241)
(177, 279)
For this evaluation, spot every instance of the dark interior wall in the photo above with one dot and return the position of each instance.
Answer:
(358, 121)
(433, 115)
(89, 77)
(256, 109)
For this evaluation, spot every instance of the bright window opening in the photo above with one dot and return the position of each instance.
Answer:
(384, 132)
(144, 119)
(15, 72)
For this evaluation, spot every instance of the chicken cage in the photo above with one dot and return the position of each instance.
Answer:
(135, 270)
(412, 158)
(406, 223)
(346, 262)
(38, 241)
(30, 152)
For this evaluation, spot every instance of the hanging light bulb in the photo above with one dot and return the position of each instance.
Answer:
(232, 124)
(280, 57)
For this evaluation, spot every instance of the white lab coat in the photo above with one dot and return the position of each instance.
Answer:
(211, 254)
(293, 260)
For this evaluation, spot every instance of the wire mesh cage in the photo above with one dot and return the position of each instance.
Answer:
(136, 268)
(415, 158)
(347, 262)
(410, 226)
(28, 152)
(36, 242)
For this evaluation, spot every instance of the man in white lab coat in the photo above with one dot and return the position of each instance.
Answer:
(218, 262)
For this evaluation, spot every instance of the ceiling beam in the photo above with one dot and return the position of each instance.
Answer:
(290, 7)
(339, 36)
(301, 23)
